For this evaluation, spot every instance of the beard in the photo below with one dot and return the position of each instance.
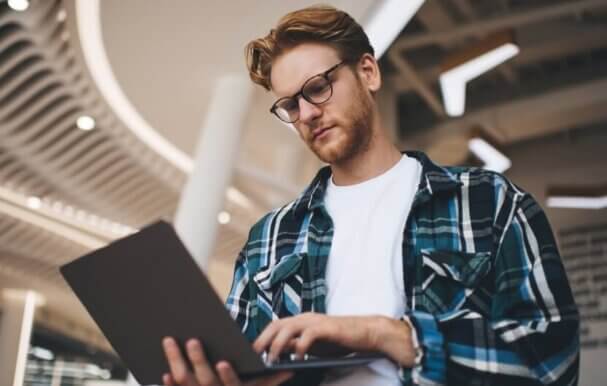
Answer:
(354, 133)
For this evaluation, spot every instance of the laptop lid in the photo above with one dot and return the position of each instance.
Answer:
(146, 286)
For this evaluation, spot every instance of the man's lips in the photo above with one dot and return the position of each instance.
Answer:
(317, 132)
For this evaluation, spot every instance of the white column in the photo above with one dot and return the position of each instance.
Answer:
(15, 332)
(203, 196)
(216, 154)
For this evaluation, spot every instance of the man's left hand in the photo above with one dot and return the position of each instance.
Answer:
(357, 333)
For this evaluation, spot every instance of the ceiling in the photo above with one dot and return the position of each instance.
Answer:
(95, 186)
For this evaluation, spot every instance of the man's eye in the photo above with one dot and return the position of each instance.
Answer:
(317, 88)
(289, 105)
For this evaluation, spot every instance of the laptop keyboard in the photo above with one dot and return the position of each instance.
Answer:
(285, 358)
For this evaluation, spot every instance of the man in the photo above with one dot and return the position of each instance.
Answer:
(451, 272)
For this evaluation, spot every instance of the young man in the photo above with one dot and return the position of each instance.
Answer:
(451, 272)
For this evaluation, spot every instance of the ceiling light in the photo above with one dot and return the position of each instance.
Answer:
(42, 353)
(19, 5)
(466, 65)
(493, 158)
(61, 15)
(34, 202)
(239, 198)
(224, 217)
(578, 197)
(85, 123)
(57, 206)
(577, 202)
(387, 21)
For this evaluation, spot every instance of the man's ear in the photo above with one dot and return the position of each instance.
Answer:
(368, 71)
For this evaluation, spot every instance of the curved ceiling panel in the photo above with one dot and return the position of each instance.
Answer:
(44, 89)
(63, 190)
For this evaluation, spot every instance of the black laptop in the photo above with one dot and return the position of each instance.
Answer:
(146, 286)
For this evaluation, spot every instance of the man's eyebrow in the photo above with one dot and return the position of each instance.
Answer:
(305, 79)
(297, 89)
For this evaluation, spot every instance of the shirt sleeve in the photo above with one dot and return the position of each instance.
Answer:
(240, 299)
(531, 336)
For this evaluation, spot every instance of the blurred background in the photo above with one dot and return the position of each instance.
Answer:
(116, 113)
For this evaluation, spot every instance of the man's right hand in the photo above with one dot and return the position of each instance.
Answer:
(203, 374)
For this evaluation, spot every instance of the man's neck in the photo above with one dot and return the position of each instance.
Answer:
(377, 159)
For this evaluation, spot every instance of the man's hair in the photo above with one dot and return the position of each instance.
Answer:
(317, 24)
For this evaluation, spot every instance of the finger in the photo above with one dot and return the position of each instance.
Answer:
(179, 370)
(202, 370)
(265, 338)
(227, 375)
(272, 380)
(305, 341)
(167, 380)
(292, 344)
(281, 340)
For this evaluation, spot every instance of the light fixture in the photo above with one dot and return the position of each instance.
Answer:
(577, 202)
(19, 5)
(224, 217)
(485, 148)
(577, 197)
(458, 69)
(41, 353)
(85, 122)
(61, 15)
(34, 202)
(75, 215)
(238, 197)
(487, 153)
(387, 21)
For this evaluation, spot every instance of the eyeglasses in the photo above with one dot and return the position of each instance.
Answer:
(316, 90)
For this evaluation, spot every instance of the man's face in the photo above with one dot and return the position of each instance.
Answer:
(339, 128)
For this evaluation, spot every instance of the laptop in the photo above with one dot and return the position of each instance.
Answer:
(146, 286)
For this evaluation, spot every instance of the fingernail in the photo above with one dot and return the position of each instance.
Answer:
(222, 365)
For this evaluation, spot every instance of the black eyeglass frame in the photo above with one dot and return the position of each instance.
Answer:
(303, 95)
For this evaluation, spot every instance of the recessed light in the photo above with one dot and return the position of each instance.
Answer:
(42, 353)
(224, 217)
(85, 123)
(19, 5)
(61, 15)
(34, 202)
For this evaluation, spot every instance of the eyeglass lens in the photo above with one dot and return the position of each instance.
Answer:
(316, 90)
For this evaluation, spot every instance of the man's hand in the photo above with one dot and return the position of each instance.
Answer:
(203, 374)
(357, 333)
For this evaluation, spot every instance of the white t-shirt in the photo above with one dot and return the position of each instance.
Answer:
(365, 268)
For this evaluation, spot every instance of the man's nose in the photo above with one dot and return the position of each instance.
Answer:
(308, 112)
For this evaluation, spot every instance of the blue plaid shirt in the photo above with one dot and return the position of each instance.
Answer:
(484, 283)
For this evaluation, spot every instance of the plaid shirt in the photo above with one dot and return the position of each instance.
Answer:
(485, 287)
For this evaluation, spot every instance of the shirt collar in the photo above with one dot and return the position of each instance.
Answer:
(433, 179)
